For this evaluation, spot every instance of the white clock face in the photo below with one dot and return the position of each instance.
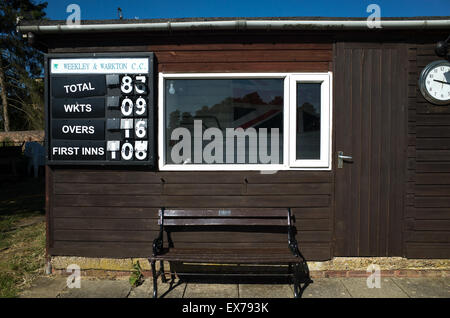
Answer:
(437, 82)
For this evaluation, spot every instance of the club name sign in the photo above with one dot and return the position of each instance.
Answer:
(100, 109)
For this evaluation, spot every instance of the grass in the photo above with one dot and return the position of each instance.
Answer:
(22, 235)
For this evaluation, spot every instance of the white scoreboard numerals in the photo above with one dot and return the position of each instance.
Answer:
(140, 86)
(140, 128)
(134, 104)
(127, 151)
(127, 107)
(141, 106)
(140, 149)
(126, 86)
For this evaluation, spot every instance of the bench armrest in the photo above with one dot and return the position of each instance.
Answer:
(158, 242)
(293, 245)
(157, 246)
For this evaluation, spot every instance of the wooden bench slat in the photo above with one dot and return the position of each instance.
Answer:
(231, 251)
(228, 254)
(282, 213)
(224, 221)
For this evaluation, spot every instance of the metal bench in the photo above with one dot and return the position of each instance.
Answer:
(252, 220)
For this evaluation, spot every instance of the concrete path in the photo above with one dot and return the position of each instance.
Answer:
(391, 287)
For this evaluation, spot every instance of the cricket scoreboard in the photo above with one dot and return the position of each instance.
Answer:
(100, 109)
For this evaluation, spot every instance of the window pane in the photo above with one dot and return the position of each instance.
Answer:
(226, 121)
(308, 121)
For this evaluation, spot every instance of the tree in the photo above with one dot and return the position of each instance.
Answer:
(21, 87)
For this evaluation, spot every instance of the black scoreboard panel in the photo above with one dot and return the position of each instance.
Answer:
(100, 109)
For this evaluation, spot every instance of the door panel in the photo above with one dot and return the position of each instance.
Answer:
(370, 125)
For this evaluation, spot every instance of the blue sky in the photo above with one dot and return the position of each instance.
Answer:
(148, 9)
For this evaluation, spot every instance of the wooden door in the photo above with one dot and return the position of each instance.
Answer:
(370, 125)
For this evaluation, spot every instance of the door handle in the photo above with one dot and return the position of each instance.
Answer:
(341, 159)
(345, 157)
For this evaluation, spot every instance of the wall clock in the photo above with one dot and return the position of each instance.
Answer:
(434, 82)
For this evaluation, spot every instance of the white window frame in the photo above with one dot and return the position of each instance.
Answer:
(325, 121)
(287, 129)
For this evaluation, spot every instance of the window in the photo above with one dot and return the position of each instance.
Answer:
(241, 121)
(310, 121)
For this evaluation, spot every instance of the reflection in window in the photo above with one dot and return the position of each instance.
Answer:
(308, 121)
(253, 105)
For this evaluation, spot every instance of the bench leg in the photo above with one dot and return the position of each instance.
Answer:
(161, 271)
(300, 274)
(155, 280)
(296, 291)
(296, 281)
(172, 273)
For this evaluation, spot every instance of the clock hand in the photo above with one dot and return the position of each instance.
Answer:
(442, 82)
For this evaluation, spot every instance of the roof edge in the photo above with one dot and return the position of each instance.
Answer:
(238, 24)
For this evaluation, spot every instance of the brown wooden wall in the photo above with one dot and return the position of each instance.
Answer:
(106, 212)
(427, 216)
(113, 213)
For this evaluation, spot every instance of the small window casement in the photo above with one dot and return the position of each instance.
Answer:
(310, 121)
(244, 121)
